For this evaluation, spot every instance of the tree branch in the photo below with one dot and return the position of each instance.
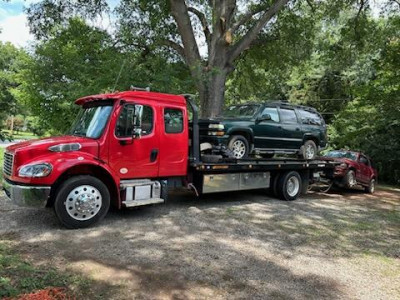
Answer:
(190, 49)
(204, 24)
(397, 2)
(246, 17)
(178, 48)
(246, 40)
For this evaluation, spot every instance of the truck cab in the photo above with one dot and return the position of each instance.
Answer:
(118, 142)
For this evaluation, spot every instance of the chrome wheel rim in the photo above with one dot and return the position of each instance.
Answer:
(238, 149)
(293, 186)
(83, 202)
(310, 152)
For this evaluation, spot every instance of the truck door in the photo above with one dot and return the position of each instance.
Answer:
(174, 141)
(267, 133)
(292, 136)
(135, 156)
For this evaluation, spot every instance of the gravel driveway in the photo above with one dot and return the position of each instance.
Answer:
(242, 245)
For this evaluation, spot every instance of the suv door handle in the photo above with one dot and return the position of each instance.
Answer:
(153, 155)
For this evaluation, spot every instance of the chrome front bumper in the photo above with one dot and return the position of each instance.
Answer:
(27, 195)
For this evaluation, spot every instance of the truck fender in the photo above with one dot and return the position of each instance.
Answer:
(88, 167)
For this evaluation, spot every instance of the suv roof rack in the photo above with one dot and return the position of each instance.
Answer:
(287, 103)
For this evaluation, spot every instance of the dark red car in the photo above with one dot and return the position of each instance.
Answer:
(355, 169)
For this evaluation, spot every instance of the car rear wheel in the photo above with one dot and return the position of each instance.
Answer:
(371, 187)
(239, 146)
(309, 150)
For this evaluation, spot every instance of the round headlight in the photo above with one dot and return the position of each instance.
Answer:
(38, 170)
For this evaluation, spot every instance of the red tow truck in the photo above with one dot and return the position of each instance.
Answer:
(129, 149)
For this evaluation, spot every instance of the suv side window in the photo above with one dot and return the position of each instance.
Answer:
(124, 127)
(288, 116)
(173, 120)
(308, 117)
(273, 112)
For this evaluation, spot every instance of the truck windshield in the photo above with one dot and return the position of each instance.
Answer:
(246, 111)
(91, 121)
(342, 154)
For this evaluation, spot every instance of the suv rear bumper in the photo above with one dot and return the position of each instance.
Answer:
(27, 195)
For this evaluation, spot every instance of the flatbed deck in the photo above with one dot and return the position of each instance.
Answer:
(275, 164)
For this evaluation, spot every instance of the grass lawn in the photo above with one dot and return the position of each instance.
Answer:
(18, 277)
(21, 135)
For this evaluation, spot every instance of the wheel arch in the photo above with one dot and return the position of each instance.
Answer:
(246, 132)
(87, 169)
(313, 138)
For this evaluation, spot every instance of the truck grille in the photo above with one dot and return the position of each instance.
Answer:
(8, 163)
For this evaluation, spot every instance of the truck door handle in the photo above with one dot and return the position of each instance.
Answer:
(298, 129)
(153, 155)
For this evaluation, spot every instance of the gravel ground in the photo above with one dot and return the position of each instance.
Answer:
(242, 245)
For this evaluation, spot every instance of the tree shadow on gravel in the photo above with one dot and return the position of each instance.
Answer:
(178, 266)
(228, 245)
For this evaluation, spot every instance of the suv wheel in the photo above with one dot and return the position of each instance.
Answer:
(239, 146)
(350, 179)
(371, 187)
(309, 150)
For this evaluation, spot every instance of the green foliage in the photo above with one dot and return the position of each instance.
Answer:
(80, 60)
(10, 64)
(371, 122)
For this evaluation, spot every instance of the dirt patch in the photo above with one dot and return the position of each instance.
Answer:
(231, 245)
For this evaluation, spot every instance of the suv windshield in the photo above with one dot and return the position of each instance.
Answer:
(342, 154)
(91, 121)
(241, 111)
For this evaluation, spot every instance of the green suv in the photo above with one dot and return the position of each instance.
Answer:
(267, 129)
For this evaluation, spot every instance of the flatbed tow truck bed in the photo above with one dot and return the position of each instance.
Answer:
(288, 178)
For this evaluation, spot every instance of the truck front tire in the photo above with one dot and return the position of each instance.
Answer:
(81, 201)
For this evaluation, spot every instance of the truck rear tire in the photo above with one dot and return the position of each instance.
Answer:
(289, 186)
(81, 201)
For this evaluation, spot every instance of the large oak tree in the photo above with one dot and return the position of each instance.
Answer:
(208, 35)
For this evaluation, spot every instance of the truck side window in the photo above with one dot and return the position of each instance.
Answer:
(288, 116)
(124, 126)
(273, 112)
(173, 120)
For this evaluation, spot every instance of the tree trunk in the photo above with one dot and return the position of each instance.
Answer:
(210, 75)
(212, 101)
